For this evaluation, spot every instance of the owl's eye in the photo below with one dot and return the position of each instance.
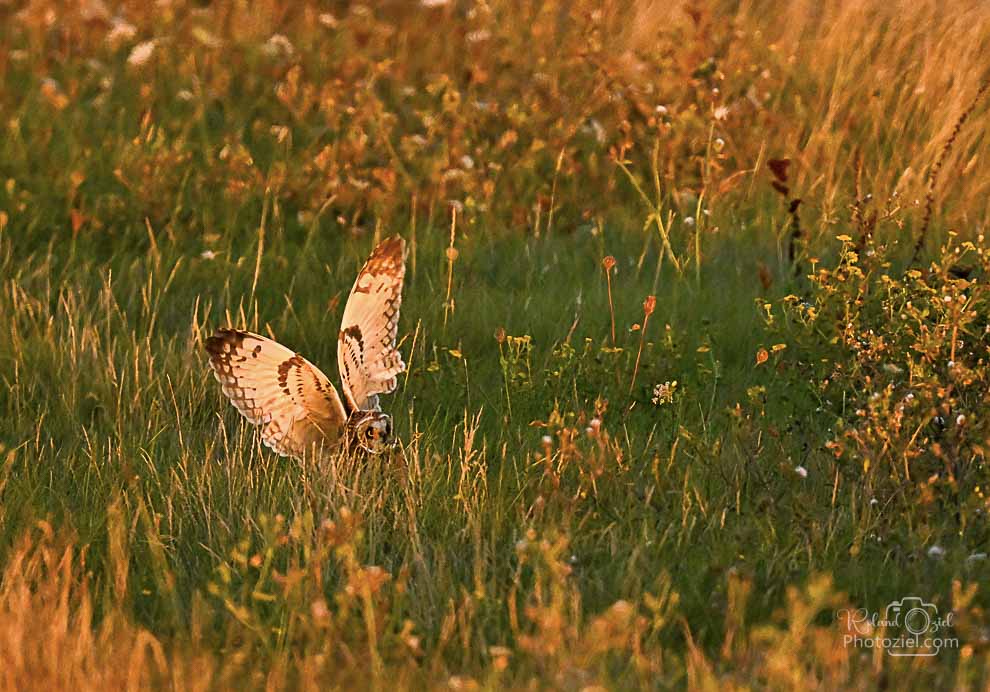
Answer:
(369, 433)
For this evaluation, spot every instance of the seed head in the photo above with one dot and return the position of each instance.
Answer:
(649, 304)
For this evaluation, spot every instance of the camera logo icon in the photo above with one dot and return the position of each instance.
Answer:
(912, 613)
(910, 626)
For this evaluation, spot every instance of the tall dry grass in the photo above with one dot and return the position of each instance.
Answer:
(517, 113)
(141, 144)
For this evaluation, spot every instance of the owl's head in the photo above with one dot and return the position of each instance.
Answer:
(370, 430)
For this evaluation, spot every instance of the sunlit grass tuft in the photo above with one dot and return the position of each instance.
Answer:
(673, 475)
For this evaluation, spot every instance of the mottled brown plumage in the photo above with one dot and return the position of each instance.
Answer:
(293, 403)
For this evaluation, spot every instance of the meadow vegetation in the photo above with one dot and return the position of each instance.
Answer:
(696, 325)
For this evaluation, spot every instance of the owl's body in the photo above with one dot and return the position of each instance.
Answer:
(294, 404)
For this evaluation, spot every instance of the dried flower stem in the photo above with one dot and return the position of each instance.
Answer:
(937, 168)
(608, 263)
(261, 243)
(648, 306)
(448, 303)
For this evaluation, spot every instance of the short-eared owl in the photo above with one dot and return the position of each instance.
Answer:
(295, 405)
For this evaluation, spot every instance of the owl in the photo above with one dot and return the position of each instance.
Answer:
(294, 404)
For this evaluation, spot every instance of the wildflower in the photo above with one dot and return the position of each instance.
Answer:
(546, 440)
(664, 393)
(961, 419)
(500, 656)
(801, 471)
(277, 45)
(608, 263)
(141, 53)
(597, 129)
(53, 93)
(688, 220)
(208, 254)
(936, 552)
(721, 113)
(120, 32)
(649, 304)
(718, 144)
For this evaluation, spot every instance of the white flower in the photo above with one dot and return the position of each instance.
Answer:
(936, 552)
(141, 53)
(467, 162)
(208, 254)
(664, 393)
(688, 220)
(547, 440)
(120, 32)
(277, 45)
(961, 419)
(801, 471)
(721, 113)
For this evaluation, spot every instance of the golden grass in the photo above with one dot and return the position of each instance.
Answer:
(517, 119)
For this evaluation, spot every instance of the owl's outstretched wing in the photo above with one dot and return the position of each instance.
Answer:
(293, 403)
(366, 353)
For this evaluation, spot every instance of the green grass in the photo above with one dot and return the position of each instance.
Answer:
(706, 542)
(110, 402)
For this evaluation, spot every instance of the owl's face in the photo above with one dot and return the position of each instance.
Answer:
(370, 430)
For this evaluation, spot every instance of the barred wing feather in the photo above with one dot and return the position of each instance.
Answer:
(287, 397)
(366, 353)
